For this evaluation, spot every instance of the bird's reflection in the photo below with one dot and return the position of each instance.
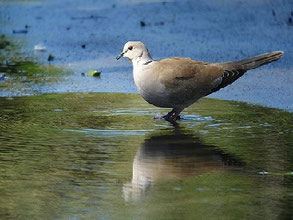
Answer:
(172, 155)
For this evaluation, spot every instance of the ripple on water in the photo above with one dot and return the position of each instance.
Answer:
(72, 150)
(196, 118)
(127, 111)
(110, 132)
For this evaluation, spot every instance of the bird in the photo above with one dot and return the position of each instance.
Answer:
(179, 82)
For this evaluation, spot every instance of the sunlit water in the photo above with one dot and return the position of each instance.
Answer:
(102, 156)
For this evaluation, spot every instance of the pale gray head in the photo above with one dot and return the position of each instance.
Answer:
(133, 50)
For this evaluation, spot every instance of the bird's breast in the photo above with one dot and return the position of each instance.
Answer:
(149, 86)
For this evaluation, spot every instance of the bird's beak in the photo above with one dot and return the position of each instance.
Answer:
(120, 55)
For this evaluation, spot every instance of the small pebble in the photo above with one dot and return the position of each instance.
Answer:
(40, 47)
(94, 73)
(51, 57)
(142, 24)
(83, 46)
(19, 31)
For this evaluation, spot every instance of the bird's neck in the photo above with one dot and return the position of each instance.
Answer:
(142, 60)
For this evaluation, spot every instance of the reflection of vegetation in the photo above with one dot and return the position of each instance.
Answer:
(252, 133)
(215, 195)
(68, 156)
(23, 71)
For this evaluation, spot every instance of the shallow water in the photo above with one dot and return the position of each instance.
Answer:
(101, 155)
(23, 74)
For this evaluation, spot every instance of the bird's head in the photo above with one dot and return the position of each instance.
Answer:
(133, 50)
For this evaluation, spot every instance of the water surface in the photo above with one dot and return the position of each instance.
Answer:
(102, 156)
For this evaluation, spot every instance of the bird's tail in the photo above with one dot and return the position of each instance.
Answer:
(254, 62)
(234, 70)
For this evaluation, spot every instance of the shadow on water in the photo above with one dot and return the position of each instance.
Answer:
(172, 155)
(65, 156)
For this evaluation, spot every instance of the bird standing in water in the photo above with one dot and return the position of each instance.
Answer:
(179, 82)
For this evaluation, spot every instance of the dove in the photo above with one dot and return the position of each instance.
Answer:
(178, 82)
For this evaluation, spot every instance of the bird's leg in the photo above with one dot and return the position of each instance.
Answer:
(165, 116)
(172, 116)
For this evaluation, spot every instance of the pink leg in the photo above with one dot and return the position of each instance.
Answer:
(172, 116)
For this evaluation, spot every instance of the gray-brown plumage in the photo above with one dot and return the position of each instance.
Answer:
(178, 82)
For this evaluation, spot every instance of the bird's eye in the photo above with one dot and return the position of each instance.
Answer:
(130, 48)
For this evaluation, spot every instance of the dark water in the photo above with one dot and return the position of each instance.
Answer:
(102, 156)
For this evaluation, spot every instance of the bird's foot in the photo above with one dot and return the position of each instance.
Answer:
(159, 117)
(171, 117)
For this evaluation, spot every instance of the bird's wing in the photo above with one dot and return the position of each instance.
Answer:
(176, 73)
(227, 78)
(202, 77)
